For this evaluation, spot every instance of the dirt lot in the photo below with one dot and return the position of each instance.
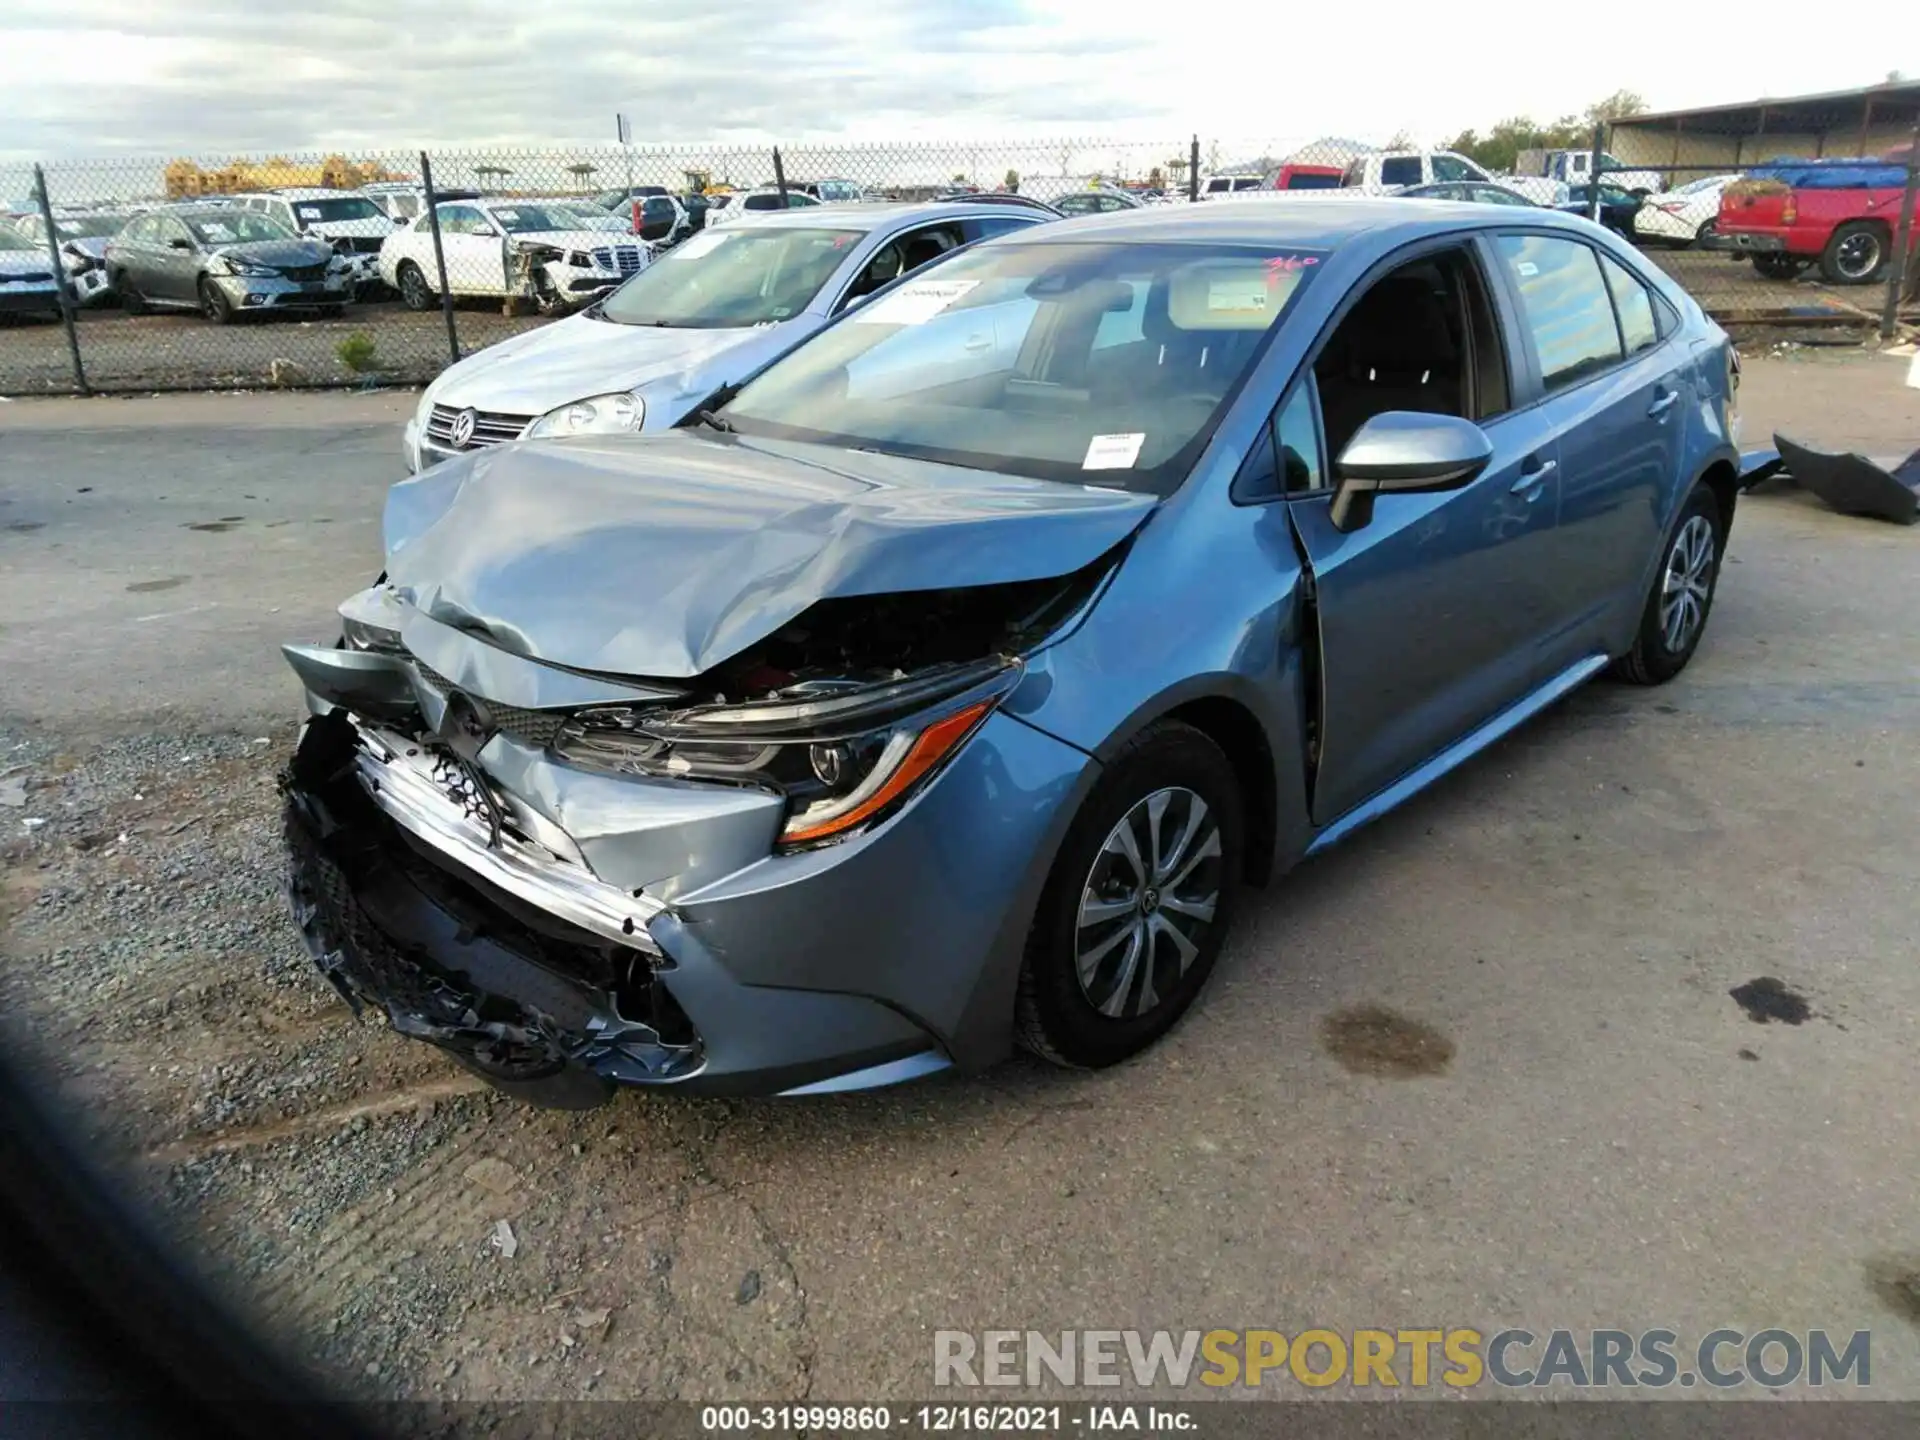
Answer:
(175, 351)
(1593, 1133)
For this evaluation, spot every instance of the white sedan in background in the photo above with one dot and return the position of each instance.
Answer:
(510, 249)
(708, 314)
(1687, 216)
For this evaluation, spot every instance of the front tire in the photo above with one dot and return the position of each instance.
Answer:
(1682, 596)
(132, 302)
(214, 303)
(415, 292)
(1706, 234)
(1138, 903)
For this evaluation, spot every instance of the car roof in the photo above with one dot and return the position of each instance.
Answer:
(858, 215)
(1282, 219)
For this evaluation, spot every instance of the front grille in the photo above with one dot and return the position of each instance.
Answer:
(305, 272)
(534, 728)
(624, 258)
(490, 427)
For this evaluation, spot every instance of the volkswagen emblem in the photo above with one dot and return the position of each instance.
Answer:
(461, 431)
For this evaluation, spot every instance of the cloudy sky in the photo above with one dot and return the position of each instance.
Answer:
(90, 77)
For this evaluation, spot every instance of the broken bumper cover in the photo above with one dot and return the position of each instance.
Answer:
(856, 965)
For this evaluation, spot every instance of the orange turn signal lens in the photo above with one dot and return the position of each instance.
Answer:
(932, 746)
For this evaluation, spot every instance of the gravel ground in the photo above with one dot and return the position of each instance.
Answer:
(1574, 1123)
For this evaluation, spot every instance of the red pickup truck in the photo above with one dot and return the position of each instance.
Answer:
(1841, 215)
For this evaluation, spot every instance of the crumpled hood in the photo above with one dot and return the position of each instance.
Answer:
(539, 369)
(279, 254)
(664, 555)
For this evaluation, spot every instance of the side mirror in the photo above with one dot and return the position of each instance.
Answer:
(1401, 452)
(179, 242)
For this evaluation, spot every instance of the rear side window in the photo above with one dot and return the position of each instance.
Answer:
(1565, 305)
(1635, 307)
(1400, 170)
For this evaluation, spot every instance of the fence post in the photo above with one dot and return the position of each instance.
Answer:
(439, 256)
(780, 177)
(1593, 171)
(1193, 171)
(1903, 240)
(60, 279)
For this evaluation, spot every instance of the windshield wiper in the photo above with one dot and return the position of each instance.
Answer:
(707, 412)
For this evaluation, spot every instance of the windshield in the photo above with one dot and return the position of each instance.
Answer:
(1099, 364)
(235, 227)
(519, 219)
(726, 278)
(328, 212)
(76, 227)
(13, 240)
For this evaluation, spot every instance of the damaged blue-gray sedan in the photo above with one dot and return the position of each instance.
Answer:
(943, 687)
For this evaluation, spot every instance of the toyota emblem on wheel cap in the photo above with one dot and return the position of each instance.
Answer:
(461, 430)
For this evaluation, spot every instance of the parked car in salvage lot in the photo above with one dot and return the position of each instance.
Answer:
(351, 223)
(224, 261)
(27, 282)
(83, 247)
(709, 313)
(1838, 214)
(509, 250)
(941, 688)
(1686, 215)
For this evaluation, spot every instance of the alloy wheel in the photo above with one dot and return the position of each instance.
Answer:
(1688, 584)
(1858, 255)
(1147, 903)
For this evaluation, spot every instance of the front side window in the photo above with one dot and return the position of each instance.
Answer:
(1634, 305)
(1565, 305)
(720, 279)
(1450, 167)
(994, 362)
(463, 220)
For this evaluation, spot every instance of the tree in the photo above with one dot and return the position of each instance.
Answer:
(1156, 180)
(1401, 141)
(1012, 182)
(582, 171)
(959, 178)
(1616, 106)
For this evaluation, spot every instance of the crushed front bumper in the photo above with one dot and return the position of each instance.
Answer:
(552, 955)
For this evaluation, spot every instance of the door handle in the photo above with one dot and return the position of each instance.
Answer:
(1665, 403)
(1533, 479)
(979, 344)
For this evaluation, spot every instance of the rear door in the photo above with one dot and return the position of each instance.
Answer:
(1614, 388)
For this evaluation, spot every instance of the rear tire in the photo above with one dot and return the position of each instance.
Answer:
(1856, 254)
(1138, 903)
(1707, 233)
(415, 292)
(1682, 595)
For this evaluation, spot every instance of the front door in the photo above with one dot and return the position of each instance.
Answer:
(476, 263)
(176, 269)
(1431, 614)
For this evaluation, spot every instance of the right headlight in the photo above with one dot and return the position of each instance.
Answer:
(596, 415)
(843, 756)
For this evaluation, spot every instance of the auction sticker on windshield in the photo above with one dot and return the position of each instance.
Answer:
(914, 304)
(1113, 452)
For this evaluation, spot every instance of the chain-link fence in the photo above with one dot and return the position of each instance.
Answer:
(382, 267)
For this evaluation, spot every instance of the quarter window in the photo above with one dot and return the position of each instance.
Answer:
(1635, 306)
(1565, 304)
(1400, 170)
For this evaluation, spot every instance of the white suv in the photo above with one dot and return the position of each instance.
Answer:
(345, 219)
(758, 201)
(510, 249)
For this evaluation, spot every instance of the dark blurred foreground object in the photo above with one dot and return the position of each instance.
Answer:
(102, 1331)
(1853, 484)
